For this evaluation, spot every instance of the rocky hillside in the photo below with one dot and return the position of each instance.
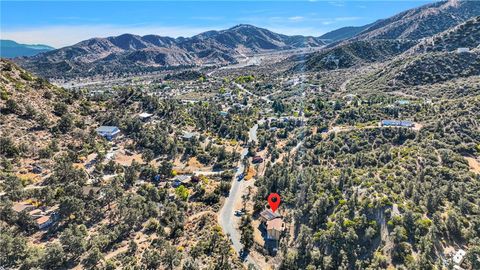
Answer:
(465, 35)
(130, 53)
(34, 113)
(424, 21)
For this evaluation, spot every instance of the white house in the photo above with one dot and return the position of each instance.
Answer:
(108, 132)
(462, 50)
(459, 256)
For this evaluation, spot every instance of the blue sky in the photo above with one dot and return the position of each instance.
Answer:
(62, 23)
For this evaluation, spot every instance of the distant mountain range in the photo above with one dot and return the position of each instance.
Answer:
(11, 49)
(131, 53)
(346, 47)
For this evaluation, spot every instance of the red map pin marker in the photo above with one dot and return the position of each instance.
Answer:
(273, 201)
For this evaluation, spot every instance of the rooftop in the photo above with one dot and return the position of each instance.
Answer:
(19, 207)
(397, 123)
(275, 224)
(42, 220)
(458, 257)
(182, 177)
(107, 129)
(269, 215)
(189, 135)
(145, 115)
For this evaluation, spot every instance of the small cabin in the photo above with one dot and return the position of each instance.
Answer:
(108, 132)
(463, 50)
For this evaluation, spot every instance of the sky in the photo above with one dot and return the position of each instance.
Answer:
(63, 23)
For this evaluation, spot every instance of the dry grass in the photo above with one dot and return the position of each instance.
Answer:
(474, 164)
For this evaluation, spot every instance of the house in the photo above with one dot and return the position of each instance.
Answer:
(257, 159)
(189, 135)
(108, 132)
(459, 256)
(44, 222)
(145, 116)
(275, 228)
(181, 180)
(224, 114)
(43, 216)
(273, 224)
(402, 102)
(396, 123)
(463, 50)
(20, 207)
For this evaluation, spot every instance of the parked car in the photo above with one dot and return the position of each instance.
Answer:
(239, 213)
(240, 177)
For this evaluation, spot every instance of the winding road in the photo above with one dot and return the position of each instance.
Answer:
(226, 218)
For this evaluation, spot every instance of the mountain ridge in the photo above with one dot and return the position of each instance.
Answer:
(411, 26)
(112, 54)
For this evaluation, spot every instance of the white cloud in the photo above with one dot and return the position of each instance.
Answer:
(60, 36)
(296, 18)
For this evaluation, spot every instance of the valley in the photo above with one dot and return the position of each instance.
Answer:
(150, 152)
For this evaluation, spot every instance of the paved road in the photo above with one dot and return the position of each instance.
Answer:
(226, 217)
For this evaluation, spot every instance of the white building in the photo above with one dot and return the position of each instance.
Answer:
(459, 256)
(462, 50)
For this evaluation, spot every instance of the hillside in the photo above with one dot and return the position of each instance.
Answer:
(11, 49)
(424, 21)
(34, 112)
(354, 53)
(423, 70)
(465, 35)
(130, 53)
(53, 160)
(344, 33)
